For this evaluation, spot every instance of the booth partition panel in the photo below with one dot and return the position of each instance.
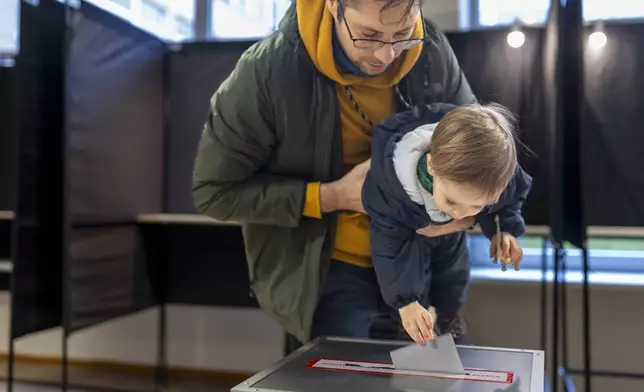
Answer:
(195, 72)
(39, 200)
(611, 134)
(115, 154)
(205, 265)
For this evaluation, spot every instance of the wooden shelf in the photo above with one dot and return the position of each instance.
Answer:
(615, 232)
(182, 219)
(6, 215)
(536, 231)
(6, 266)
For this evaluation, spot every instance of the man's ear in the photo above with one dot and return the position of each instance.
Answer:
(332, 6)
(430, 169)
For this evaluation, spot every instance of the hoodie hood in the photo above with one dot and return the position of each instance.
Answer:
(407, 153)
(316, 28)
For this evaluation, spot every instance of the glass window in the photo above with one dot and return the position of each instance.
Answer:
(152, 11)
(183, 26)
(240, 19)
(171, 20)
(10, 28)
(123, 3)
(615, 9)
(501, 12)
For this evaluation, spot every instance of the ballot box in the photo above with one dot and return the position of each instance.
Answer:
(350, 365)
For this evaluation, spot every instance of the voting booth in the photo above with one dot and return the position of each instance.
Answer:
(348, 365)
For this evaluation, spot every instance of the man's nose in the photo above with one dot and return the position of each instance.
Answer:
(386, 54)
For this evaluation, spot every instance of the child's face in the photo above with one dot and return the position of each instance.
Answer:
(455, 199)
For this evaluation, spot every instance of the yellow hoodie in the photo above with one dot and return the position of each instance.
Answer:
(375, 97)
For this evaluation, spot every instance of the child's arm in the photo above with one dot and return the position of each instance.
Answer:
(398, 266)
(402, 274)
(509, 210)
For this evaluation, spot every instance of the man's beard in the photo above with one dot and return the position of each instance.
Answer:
(366, 71)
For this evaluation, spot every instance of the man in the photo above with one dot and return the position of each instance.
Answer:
(285, 152)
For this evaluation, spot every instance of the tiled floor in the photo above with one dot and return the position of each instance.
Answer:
(46, 378)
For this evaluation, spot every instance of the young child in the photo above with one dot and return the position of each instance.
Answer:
(436, 170)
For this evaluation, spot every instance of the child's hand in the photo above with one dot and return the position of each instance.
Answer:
(418, 322)
(510, 252)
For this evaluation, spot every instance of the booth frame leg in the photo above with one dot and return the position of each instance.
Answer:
(555, 319)
(544, 293)
(11, 362)
(564, 311)
(586, 321)
(12, 307)
(67, 222)
(161, 373)
(65, 362)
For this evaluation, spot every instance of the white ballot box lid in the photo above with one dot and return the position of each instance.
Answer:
(347, 365)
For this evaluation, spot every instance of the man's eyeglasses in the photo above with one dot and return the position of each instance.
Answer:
(375, 44)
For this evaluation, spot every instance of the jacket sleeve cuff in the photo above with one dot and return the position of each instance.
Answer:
(312, 207)
(516, 227)
(402, 301)
(487, 225)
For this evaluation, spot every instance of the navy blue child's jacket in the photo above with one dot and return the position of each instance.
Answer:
(401, 257)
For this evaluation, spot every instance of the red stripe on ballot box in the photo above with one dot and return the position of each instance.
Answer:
(382, 368)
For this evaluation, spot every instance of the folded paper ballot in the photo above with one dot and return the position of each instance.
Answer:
(439, 358)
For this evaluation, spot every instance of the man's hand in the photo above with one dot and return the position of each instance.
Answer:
(510, 252)
(345, 194)
(448, 228)
(418, 322)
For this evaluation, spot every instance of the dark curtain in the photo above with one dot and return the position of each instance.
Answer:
(513, 77)
(8, 164)
(5, 253)
(38, 257)
(571, 54)
(593, 177)
(612, 137)
(5, 240)
(115, 153)
(8, 137)
(204, 265)
(114, 119)
(196, 70)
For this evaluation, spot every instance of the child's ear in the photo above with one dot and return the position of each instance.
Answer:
(430, 168)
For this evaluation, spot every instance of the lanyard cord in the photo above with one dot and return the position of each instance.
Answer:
(363, 114)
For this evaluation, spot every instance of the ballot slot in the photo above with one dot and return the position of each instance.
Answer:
(376, 368)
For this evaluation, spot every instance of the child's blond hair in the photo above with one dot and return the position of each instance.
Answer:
(475, 145)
